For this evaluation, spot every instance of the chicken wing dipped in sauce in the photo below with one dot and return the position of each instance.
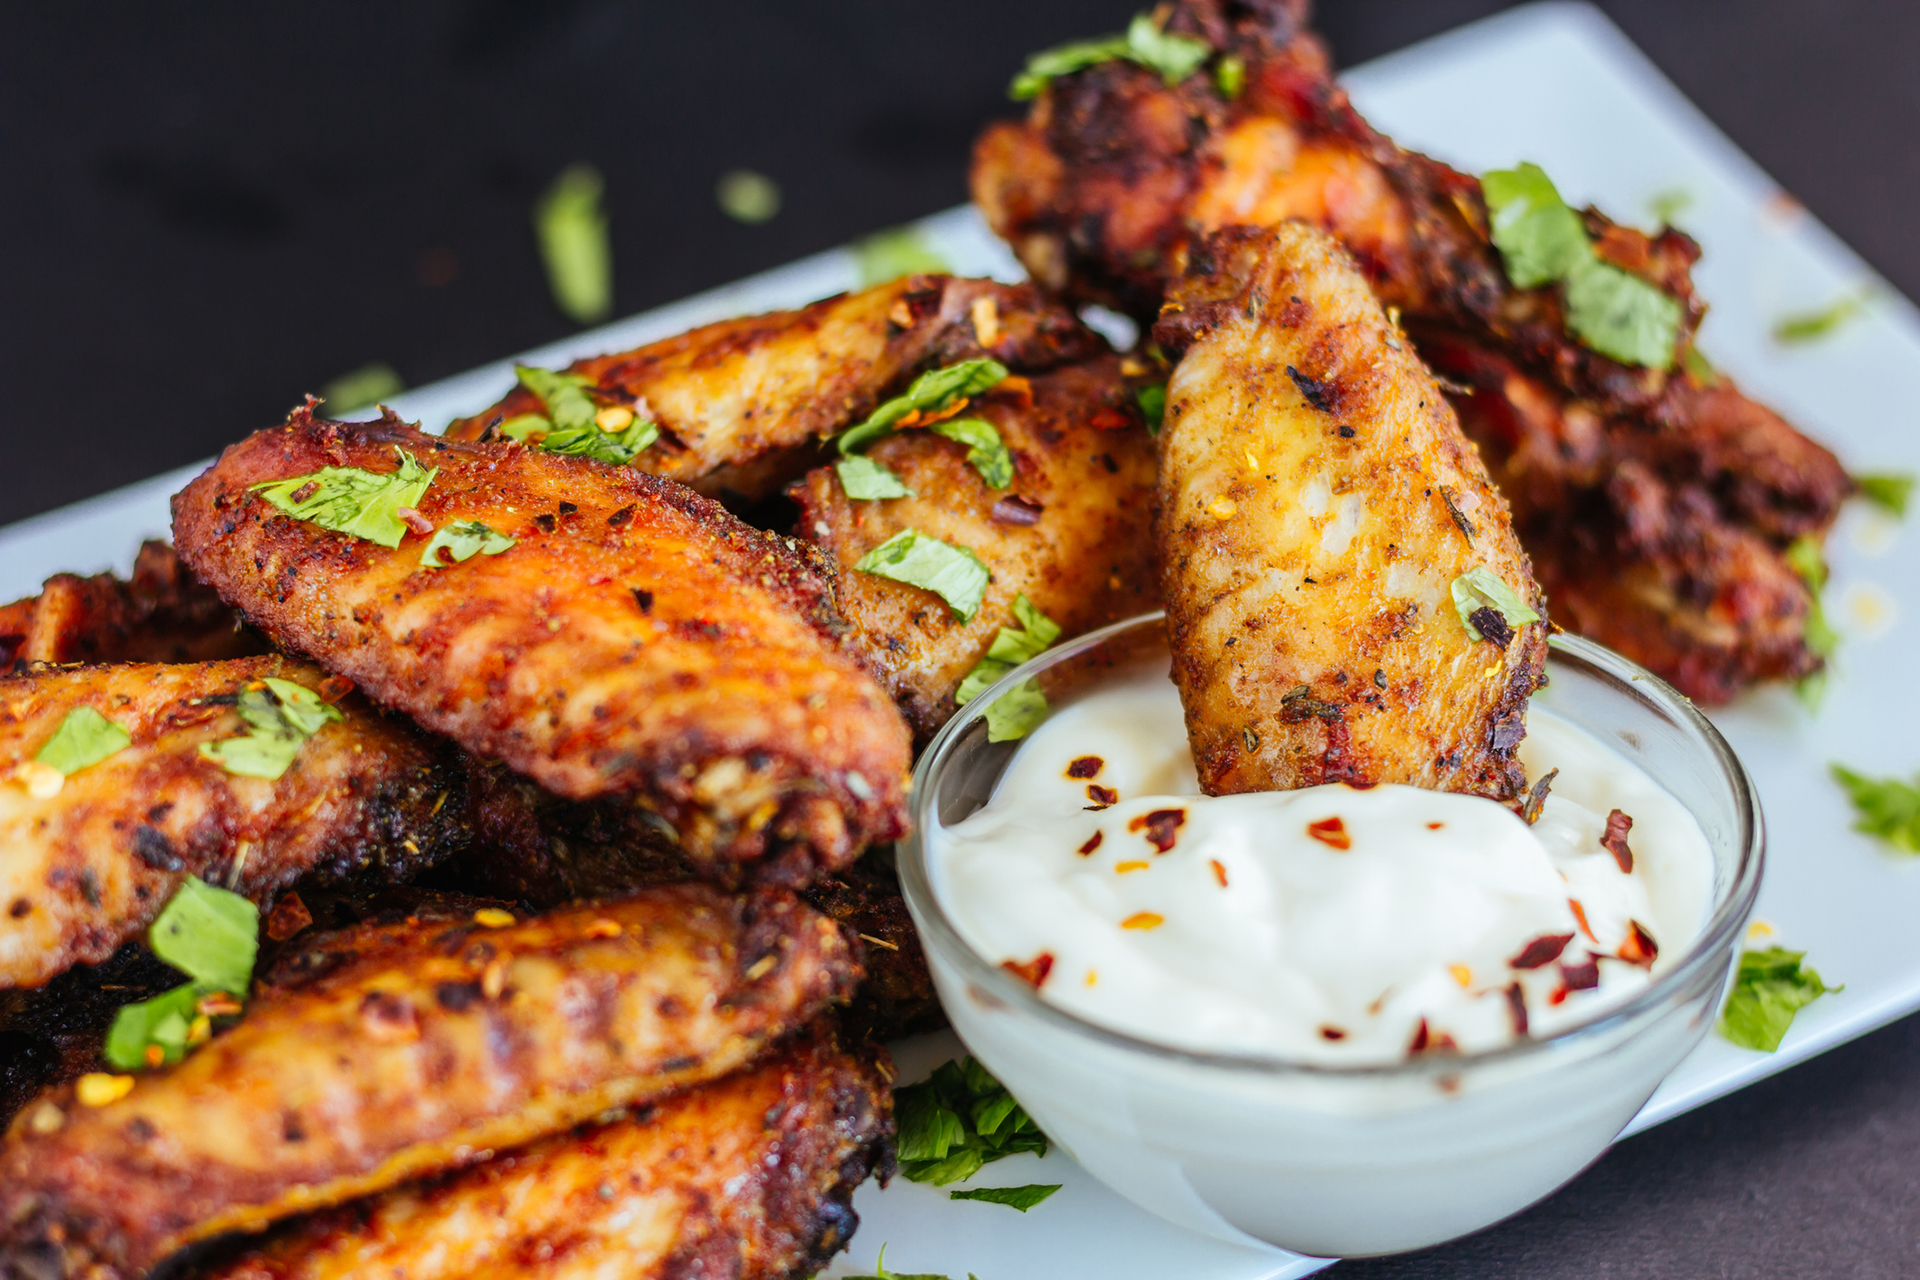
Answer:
(1069, 530)
(742, 405)
(408, 1048)
(625, 639)
(748, 1177)
(110, 801)
(1346, 600)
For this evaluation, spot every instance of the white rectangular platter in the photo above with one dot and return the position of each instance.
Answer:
(1557, 84)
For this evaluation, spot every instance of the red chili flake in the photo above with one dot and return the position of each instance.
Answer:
(1517, 1006)
(620, 517)
(288, 917)
(1014, 387)
(1016, 510)
(545, 522)
(1093, 842)
(1331, 832)
(643, 598)
(1102, 796)
(414, 520)
(1424, 1041)
(1162, 827)
(1108, 418)
(1086, 767)
(1435, 826)
(1614, 840)
(1541, 951)
(1332, 1033)
(1580, 918)
(569, 509)
(1219, 872)
(334, 688)
(1537, 798)
(1639, 948)
(1583, 976)
(1034, 972)
(304, 492)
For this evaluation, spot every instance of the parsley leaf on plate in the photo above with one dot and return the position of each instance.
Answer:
(1803, 555)
(1015, 713)
(351, 500)
(1884, 807)
(957, 1120)
(955, 574)
(463, 541)
(1810, 326)
(1021, 1198)
(880, 1266)
(85, 737)
(1769, 988)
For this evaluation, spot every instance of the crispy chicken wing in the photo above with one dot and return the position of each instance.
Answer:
(406, 1049)
(638, 642)
(160, 615)
(88, 862)
(743, 403)
(1317, 502)
(748, 1177)
(1071, 532)
(1115, 175)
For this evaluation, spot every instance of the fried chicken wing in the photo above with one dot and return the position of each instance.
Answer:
(897, 998)
(411, 1048)
(1071, 533)
(742, 404)
(1317, 504)
(748, 1177)
(87, 862)
(636, 643)
(159, 615)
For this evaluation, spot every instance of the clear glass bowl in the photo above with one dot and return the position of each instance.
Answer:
(1344, 1161)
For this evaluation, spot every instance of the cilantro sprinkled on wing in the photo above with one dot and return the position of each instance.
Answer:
(212, 936)
(1015, 713)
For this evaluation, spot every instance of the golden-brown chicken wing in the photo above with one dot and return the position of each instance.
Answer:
(412, 1048)
(88, 861)
(743, 403)
(637, 641)
(1318, 507)
(747, 1177)
(1071, 533)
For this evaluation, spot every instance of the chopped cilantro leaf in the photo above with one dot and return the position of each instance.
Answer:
(1884, 807)
(352, 501)
(1540, 239)
(1769, 988)
(955, 574)
(454, 543)
(1175, 57)
(1888, 492)
(985, 449)
(573, 423)
(1622, 316)
(572, 232)
(1481, 588)
(957, 1120)
(880, 1267)
(931, 392)
(281, 716)
(591, 441)
(1021, 1198)
(1015, 713)
(212, 936)
(1804, 557)
(863, 478)
(564, 395)
(746, 196)
(1810, 326)
(888, 255)
(163, 1021)
(1230, 76)
(1700, 368)
(1153, 406)
(85, 737)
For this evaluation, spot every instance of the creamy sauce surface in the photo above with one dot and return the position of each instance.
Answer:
(1328, 924)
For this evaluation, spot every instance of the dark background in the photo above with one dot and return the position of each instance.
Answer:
(207, 209)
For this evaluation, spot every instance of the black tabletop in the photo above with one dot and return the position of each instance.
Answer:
(208, 209)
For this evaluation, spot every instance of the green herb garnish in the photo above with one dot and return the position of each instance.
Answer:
(1810, 326)
(85, 737)
(352, 501)
(282, 716)
(1230, 76)
(1889, 492)
(955, 574)
(1622, 316)
(957, 1120)
(985, 449)
(888, 255)
(1021, 1198)
(1770, 987)
(1540, 239)
(863, 478)
(1884, 807)
(1175, 57)
(1804, 557)
(880, 1267)
(1015, 713)
(212, 936)
(463, 541)
(929, 393)
(362, 388)
(572, 232)
(571, 425)
(746, 196)
(1153, 406)
(1700, 368)
(1481, 588)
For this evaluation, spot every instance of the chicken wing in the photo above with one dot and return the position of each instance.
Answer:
(636, 642)
(88, 861)
(1071, 533)
(1318, 510)
(160, 615)
(411, 1048)
(742, 404)
(748, 1177)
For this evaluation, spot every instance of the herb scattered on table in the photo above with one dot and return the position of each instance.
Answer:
(1886, 808)
(1021, 1198)
(1770, 987)
(956, 1121)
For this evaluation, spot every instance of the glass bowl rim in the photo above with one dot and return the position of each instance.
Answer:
(1728, 916)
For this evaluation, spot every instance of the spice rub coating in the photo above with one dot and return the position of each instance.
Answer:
(1317, 501)
(743, 403)
(1071, 533)
(748, 1177)
(90, 861)
(638, 642)
(409, 1049)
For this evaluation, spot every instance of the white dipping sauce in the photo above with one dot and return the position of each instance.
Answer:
(1250, 933)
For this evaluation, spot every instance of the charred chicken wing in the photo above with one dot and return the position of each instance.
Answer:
(159, 615)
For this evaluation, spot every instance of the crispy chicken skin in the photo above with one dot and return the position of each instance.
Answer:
(159, 615)
(1082, 460)
(1316, 502)
(415, 1048)
(748, 1177)
(88, 867)
(54, 1033)
(639, 642)
(1115, 175)
(742, 403)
